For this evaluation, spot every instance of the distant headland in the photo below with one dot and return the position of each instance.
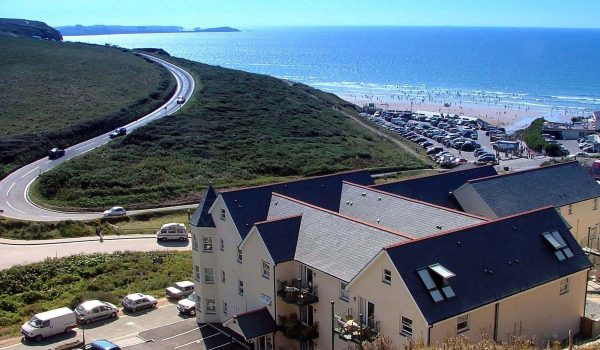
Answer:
(110, 29)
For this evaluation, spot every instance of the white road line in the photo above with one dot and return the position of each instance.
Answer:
(196, 341)
(15, 209)
(190, 331)
(220, 346)
(84, 146)
(10, 188)
(30, 171)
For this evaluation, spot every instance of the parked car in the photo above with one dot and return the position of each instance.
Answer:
(49, 323)
(118, 132)
(115, 211)
(187, 306)
(172, 231)
(486, 158)
(56, 153)
(94, 310)
(180, 289)
(138, 301)
(101, 344)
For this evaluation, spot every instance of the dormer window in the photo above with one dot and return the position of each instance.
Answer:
(435, 278)
(561, 249)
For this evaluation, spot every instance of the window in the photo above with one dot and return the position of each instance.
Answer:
(221, 245)
(197, 268)
(241, 288)
(564, 285)
(223, 276)
(406, 327)
(207, 244)
(209, 277)
(194, 242)
(240, 257)
(570, 209)
(224, 308)
(343, 292)
(435, 278)
(266, 269)
(211, 306)
(198, 304)
(462, 324)
(265, 299)
(561, 249)
(595, 204)
(387, 276)
(222, 214)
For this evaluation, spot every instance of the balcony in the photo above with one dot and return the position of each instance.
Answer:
(349, 330)
(297, 293)
(295, 330)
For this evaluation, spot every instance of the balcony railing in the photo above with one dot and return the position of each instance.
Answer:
(357, 332)
(294, 329)
(297, 293)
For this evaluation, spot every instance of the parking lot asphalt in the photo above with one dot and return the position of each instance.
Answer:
(186, 335)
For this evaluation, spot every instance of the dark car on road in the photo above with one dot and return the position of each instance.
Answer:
(56, 153)
(118, 132)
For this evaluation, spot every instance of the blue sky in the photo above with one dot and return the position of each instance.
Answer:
(255, 13)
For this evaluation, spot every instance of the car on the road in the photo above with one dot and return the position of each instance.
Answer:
(114, 211)
(102, 344)
(187, 306)
(180, 289)
(118, 132)
(94, 310)
(486, 158)
(56, 153)
(138, 301)
(180, 100)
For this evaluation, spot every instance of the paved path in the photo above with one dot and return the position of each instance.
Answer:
(14, 198)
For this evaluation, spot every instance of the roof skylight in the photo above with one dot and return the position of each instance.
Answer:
(435, 278)
(561, 249)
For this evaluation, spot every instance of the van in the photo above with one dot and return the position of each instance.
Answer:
(49, 323)
(172, 232)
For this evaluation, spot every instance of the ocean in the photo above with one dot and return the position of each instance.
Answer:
(552, 71)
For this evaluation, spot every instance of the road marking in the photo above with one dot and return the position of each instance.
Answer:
(196, 341)
(216, 347)
(84, 146)
(30, 171)
(130, 323)
(15, 209)
(191, 330)
(10, 188)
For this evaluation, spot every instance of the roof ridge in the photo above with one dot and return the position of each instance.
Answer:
(293, 181)
(248, 312)
(418, 201)
(470, 226)
(443, 173)
(381, 228)
(485, 178)
(268, 221)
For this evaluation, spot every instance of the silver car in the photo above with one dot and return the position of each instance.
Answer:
(94, 310)
(138, 301)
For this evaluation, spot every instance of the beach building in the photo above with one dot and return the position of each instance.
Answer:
(326, 262)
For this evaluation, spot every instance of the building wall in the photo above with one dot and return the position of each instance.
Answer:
(392, 301)
(255, 283)
(481, 326)
(584, 216)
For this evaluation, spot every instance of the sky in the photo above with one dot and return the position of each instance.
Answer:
(258, 13)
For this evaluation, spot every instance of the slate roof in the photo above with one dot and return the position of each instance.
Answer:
(280, 237)
(555, 185)
(248, 206)
(413, 217)
(491, 261)
(201, 217)
(330, 242)
(256, 323)
(436, 189)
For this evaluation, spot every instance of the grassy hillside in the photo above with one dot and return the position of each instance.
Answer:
(239, 129)
(57, 94)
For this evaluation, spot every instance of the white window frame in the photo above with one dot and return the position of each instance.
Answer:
(241, 287)
(223, 215)
(209, 271)
(387, 276)
(211, 310)
(266, 269)
(207, 244)
(344, 294)
(462, 324)
(406, 326)
(240, 256)
(223, 276)
(564, 285)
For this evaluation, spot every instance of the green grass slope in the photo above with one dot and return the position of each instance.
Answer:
(239, 129)
(58, 94)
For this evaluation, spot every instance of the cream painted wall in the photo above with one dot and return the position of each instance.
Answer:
(391, 301)
(481, 326)
(583, 216)
(255, 284)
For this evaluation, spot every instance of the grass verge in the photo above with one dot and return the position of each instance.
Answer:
(54, 283)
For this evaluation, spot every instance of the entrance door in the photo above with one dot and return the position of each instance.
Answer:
(306, 315)
(263, 343)
(367, 309)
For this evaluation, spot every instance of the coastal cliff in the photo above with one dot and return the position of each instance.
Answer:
(111, 29)
(27, 28)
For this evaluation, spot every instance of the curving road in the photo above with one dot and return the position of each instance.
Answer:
(14, 199)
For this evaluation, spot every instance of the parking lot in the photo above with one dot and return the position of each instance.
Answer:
(185, 335)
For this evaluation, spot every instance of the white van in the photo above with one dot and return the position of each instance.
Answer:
(49, 323)
(172, 232)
